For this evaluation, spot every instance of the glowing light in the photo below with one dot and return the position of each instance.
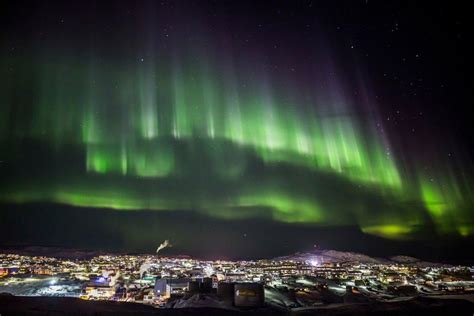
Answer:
(187, 131)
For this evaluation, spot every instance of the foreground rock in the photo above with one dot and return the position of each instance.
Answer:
(17, 305)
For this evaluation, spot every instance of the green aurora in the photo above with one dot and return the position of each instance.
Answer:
(190, 130)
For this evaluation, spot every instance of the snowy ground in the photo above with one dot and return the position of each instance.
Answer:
(41, 286)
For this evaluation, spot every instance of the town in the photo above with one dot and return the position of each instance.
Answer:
(285, 283)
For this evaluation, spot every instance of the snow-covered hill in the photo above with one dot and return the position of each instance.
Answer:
(334, 256)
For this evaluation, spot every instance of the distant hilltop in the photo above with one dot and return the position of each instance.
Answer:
(334, 256)
(56, 252)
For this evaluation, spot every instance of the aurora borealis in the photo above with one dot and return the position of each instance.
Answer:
(169, 110)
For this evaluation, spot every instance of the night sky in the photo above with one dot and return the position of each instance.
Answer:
(237, 129)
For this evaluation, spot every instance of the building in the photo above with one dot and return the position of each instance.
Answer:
(203, 285)
(249, 295)
(96, 291)
(167, 287)
(160, 288)
(225, 291)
